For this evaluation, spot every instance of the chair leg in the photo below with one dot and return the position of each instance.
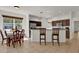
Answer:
(20, 43)
(40, 41)
(58, 42)
(13, 44)
(2, 42)
(45, 41)
(9, 41)
(22, 40)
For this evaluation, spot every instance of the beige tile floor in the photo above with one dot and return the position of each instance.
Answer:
(71, 46)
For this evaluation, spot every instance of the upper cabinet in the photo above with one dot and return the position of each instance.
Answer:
(38, 23)
(65, 22)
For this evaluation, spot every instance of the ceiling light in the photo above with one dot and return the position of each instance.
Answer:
(17, 7)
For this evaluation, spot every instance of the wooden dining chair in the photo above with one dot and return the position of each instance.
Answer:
(5, 33)
(3, 38)
(22, 35)
(19, 37)
(43, 35)
(55, 35)
(16, 38)
(8, 38)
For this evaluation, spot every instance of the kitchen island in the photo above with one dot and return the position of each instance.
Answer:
(35, 35)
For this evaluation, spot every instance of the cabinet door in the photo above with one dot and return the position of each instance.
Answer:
(38, 24)
(65, 22)
(54, 23)
(68, 22)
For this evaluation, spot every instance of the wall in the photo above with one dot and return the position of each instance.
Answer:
(60, 17)
(74, 17)
(1, 22)
(76, 24)
(45, 23)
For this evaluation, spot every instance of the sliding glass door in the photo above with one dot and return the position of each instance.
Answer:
(18, 23)
(9, 23)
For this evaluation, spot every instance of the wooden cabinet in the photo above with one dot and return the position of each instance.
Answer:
(38, 23)
(57, 23)
(68, 22)
(54, 23)
(65, 22)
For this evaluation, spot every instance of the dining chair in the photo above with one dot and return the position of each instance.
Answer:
(22, 35)
(43, 35)
(3, 38)
(16, 38)
(10, 37)
(5, 33)
(55, 35)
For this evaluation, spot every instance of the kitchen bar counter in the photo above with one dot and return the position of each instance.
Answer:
(35, 35)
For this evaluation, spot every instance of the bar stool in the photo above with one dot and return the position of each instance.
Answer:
(43, 35)
(55, 35)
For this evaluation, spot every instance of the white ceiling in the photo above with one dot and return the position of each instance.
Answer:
(46, 11)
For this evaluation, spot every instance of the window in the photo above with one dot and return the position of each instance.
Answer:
(18, 23)
(7, 23)
(10, 22)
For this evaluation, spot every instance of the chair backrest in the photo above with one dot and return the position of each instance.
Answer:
(2, 34)
(55, 31)
(14, 35)
(17, 35)
(23, 32)
(6, 33)
(42, 30)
